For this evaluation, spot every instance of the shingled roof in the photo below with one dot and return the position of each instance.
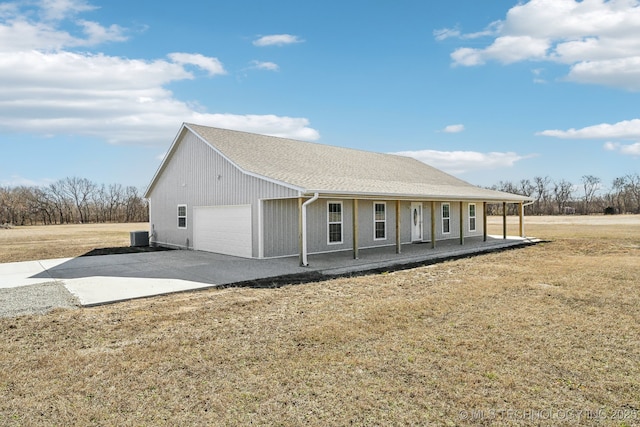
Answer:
(329, 170)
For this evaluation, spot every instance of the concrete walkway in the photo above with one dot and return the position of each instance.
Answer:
(105, 279)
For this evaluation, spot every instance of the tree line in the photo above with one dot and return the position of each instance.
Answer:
(587, 197)
(72, 201)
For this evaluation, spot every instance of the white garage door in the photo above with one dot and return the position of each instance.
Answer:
(223, 229)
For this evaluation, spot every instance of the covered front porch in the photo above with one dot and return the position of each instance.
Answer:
(427, 217)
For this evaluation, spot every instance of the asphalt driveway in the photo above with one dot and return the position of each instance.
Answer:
(109, 278)
(105, 279)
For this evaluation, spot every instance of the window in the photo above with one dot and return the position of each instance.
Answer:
(380, 221)
(446, 218)
(182, 216)
(472, 217)
(335, 222)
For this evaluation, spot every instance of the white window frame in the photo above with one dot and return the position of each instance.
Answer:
(377, 221)
(182, 216)
(472, 218)
(446, 218)
(330, 223)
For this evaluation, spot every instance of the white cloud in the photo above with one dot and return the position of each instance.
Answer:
(97, 34)
(622, 72)
(597, 39)
(212, 65)
(286, 127)
(627, 149)
(277, 40)
(19, 33)
(446, 33)
(265, 65)
(47, 89)
(506, 49)
(631, 149)
(626, 129)
(60, 9)
(459, 162)
(453, 128)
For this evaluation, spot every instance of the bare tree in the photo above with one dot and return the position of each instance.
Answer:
(562, 191)
(61, 202)
(590, 184)
(80, 190)
(632, 189)
(115, 197)
(616, 199)
(99, 203)
(542, 195)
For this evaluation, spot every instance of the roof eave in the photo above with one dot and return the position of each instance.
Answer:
(400, 196)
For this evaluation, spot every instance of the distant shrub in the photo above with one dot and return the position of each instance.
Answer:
(609, 210)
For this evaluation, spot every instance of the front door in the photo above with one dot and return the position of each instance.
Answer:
(416, 222)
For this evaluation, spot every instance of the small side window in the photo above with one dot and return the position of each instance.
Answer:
(182, 216)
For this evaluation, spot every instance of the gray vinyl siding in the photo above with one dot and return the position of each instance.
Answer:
(454, 225)
(280, 225)
(426, 217)
(479, 220)
(366, 224)
(318, 227)
(196, 175)
(455, 220)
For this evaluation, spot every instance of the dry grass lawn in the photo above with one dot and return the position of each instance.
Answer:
(62, 241)
(543, 335)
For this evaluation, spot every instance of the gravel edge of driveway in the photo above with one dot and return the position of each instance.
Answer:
(35, 299)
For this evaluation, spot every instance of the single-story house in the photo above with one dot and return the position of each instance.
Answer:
(259, 196)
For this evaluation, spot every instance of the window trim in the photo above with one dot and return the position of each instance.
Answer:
(382, 221)
(330, 223)
(447, 218)
(473, 217)
(182, 216)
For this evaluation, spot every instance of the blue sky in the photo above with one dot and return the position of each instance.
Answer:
(488, 91)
